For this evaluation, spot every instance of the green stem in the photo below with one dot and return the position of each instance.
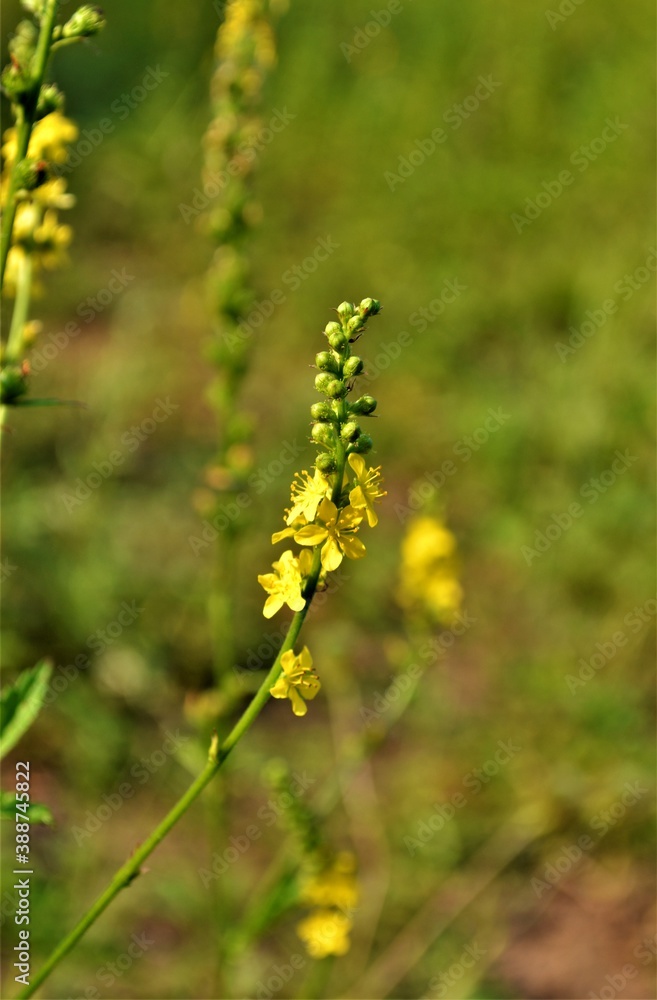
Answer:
(15, 343)
(218, 754)
(25, 126)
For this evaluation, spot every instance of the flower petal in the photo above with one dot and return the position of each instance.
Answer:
(327, 511)
(311, 534)
(278, 535)
(280, 688)
(299, 706)
(352, 547)
(273, 604)
(331, 555)
(357, 463)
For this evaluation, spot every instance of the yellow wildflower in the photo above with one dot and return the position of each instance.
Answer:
(283, 586)
(53, 194)
(367, 489)
(48, 141)
(325, 932)
(336, 530)
(297, 681)
(298, 523)
(334, 886)
(307, 494)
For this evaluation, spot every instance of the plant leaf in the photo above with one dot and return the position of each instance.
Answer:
(20, 704)
(36, 812)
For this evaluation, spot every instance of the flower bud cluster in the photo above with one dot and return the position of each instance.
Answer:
(336, 426)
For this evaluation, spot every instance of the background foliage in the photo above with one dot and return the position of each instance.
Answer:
(493, 348)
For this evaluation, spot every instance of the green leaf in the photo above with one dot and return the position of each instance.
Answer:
(36, 813)
(20, 704)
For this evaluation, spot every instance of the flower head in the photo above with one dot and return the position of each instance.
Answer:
(335, 531)
(283, 585)
(367, 489)
(297, 681)
(49, 139)
(307, 494)
(325, 932)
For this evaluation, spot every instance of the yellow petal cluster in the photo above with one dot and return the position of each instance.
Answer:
(298, 681)
(325, 932)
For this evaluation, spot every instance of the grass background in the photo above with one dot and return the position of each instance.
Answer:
(495, 347)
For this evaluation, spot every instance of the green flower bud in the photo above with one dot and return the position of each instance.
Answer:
(16, 83)
(50, 99)
(23, 44)
(323, 380)
(326, 463)
(326, 362)
(362, 445)
(352, 366)
(355, 324)
(13, 384)
(346, 310)
(322, 434)
(30, 174)
(332, 327)
(86, 21)
(365, 405)
(35, 7)
(336, 389)
(350, 432)
(369, 307)
(338, 341)
(322, 412)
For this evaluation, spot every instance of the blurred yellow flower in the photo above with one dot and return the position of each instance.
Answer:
(325, 932)
(428, 580)
(48, 141)
(336, 529)
(367, 489)
(298, 680)
(334, 886)
(307, 494)
(283, 585)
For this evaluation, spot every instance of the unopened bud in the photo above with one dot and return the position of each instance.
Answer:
(322, 412)
(353, 366)
(326, 362)
(369, 307)
(362, 445)
(338, 341)
(350, 432)
(326, 463)
(86, 21)
(322, 381)
(346, 310)
(364, 406)
(336, 389)
(50, 99)
(322, 434)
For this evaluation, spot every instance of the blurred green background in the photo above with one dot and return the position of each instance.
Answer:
(556, 80)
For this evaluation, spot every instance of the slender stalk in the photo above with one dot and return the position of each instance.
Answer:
(218, 754)
(25, 126)
(15, 344)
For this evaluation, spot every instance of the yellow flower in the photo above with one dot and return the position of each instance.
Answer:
(297, 681)
(283, 586)
(289, 532)
(53, 194)
(367, 489)
(307, 494)
(335, 886)
(48, 141)
(428, 578)
(325, 932)
(336, 529)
